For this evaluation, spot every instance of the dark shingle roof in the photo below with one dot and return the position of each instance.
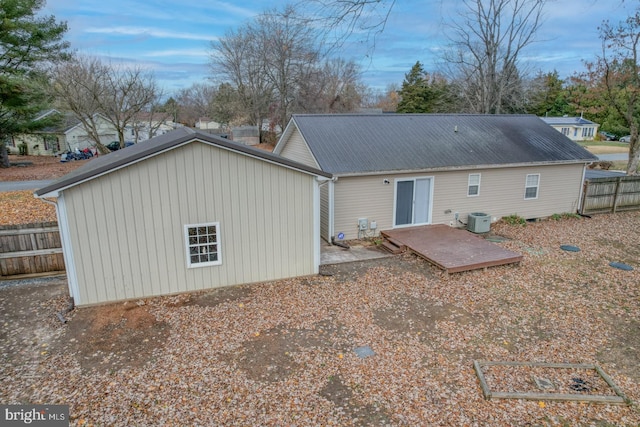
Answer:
(345, 144)
(150, 147)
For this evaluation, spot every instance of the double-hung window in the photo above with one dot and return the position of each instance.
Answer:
(473, 188)
(531, 186)
(203, 244)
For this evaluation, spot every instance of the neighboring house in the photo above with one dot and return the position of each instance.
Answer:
(71, 133)
(575, 128)
(45, 142)
(399, 170)
(149, 125)
(76, 136)
(182, 212)
(205, 123)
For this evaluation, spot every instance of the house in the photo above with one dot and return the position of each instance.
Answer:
(44, 142)
(147, 125)
(205, 123)
(182, 212)
(71, 133)
(575, 128)
(400, 170)
(76, 136)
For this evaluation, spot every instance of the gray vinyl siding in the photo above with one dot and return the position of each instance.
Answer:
(296, 149)
(501, 194)
(127, 227)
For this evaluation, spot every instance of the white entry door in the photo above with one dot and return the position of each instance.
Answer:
(413, 201)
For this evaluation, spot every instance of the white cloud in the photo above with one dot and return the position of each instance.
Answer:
(178, 53)
(142, 31)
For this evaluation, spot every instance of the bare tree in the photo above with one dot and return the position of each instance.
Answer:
(90, 88)
(338, 20)
(275, 66)
(237, 58)
(289, 53)
(487, 39)
(333, 87)
(196, 101)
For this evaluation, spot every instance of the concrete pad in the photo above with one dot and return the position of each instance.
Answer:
(337, 255)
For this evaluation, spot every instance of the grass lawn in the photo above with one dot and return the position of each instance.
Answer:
(600, 147)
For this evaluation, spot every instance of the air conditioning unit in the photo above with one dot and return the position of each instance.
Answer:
(478, 222)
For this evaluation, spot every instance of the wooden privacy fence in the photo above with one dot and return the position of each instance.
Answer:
(30, 249)
(614, 194)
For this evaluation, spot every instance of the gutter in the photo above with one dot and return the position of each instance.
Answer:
(461, 168)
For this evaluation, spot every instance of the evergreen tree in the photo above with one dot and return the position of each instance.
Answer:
(416, 94)
(27, 44)
(550, 96)
(424, 93)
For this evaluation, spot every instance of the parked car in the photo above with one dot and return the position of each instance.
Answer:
(608, 136)
(115, 145)
(626, 139)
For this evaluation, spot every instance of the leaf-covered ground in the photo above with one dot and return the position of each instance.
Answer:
(33, 168)
(21, 207)
(289, 352)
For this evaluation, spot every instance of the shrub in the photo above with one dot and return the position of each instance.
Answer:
(23, 149)
(514, 219)
(564, 215)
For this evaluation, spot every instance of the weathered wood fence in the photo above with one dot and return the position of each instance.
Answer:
(30, 249)
(615, 194)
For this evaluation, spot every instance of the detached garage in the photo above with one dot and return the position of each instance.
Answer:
(183, 212)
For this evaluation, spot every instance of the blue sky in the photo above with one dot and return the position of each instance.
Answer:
(172, 38)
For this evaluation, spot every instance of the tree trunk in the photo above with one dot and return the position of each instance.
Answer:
(634, 157)
(4, 156)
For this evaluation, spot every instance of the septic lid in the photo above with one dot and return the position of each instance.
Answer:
(621, 266)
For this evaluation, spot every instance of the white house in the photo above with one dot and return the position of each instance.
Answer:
(574, 128)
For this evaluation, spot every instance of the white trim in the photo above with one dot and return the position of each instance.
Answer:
(395, 201)
(331, 208)
(581, 190)
(537, 186)
(217, 243)
(461, 168)
(67, 250)
(478, 184)
(316, 227)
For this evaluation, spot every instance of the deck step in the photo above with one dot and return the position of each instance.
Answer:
(393, 246)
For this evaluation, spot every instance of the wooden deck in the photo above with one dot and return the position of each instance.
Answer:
(451, 249)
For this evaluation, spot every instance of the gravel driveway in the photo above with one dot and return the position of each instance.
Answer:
(379, 342)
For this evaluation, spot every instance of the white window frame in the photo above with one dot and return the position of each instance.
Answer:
(527, 186)
(209, 248)
(472, 184)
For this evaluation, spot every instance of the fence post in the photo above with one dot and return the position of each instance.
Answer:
(615, 197)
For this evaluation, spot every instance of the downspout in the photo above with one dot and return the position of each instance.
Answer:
(71, 305)
(72, 282)
(330, 238)
(582, 182)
